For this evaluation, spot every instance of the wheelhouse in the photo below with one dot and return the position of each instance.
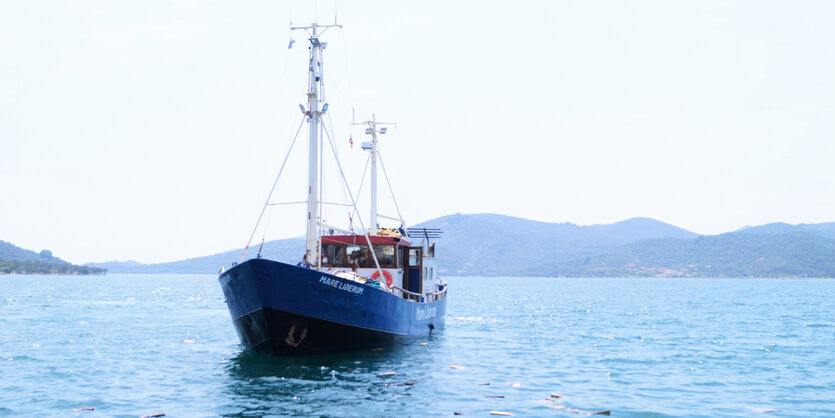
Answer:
(406, 267)
(352, 251)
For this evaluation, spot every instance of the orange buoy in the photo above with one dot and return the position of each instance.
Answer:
(385, 273)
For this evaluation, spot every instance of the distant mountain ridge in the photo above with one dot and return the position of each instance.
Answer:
(286, 250)
(499, 245)
(792, 254)
(489, 244)
(16, 260)
(9, 251)
(826, 230)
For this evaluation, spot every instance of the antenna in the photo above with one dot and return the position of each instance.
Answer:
(372, 130)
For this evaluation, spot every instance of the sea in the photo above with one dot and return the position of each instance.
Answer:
(139, 345)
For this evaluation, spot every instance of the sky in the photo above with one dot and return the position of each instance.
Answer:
(153, 130)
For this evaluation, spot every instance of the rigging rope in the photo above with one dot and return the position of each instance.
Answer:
(270, 195)
(354, 202)
(390, 189)
(362, 181)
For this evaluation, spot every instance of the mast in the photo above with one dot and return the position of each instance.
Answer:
(372, 147)
(314, 97)
(373, 124)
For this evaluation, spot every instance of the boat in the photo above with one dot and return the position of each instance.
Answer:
(352, 289)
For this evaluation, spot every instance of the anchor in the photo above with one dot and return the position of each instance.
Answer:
(291, 340)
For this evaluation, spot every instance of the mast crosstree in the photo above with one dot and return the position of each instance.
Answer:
(315, 96)
(372, 147)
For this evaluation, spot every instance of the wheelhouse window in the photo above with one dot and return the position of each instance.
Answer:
(333, 254)
(341, 255)
(385, 255)
(356, 255)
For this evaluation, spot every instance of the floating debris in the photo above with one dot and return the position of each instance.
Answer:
(424, 343)
(557, 395)
(484, 384)
(502, 413)
(514, 384)
(188, 341)
(458, 413)
(84, 408)
(457, 367)
(495, 396)
(409, 383)
(763, 410)
(387, 374)
(579, 411)
(158, 414)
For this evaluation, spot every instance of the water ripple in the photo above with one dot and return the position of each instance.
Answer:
(133, 345)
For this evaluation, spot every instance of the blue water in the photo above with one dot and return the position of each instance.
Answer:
(134, 345)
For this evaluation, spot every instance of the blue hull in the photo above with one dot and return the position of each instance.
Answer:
(280, 308)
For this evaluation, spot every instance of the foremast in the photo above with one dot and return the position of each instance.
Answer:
(315, 96)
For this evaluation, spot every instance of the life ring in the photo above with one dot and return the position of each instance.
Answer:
(386, 274)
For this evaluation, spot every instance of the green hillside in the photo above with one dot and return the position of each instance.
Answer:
(737, 254)
(497, 245)
(488, 244)
(288, 250)
(16, 260)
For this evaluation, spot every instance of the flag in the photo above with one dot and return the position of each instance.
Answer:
(292, 41)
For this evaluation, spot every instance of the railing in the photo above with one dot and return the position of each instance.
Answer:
(439, 294)
(430, 297)
(409, 295)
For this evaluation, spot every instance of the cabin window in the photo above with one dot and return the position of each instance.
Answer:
(414, 257)
(357, 255)
(338, 255)
(333, 255)
(385, 255)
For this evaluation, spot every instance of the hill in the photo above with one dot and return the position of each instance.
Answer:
(826, 230)
(795, 253)
(488, 244)
(287, 250)
(483, 244)
(16, 260)
(498, 245)
(8, 251)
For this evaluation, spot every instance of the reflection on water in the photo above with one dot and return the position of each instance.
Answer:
(353, 383)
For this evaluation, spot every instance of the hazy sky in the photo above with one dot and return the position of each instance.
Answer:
(152, 130)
